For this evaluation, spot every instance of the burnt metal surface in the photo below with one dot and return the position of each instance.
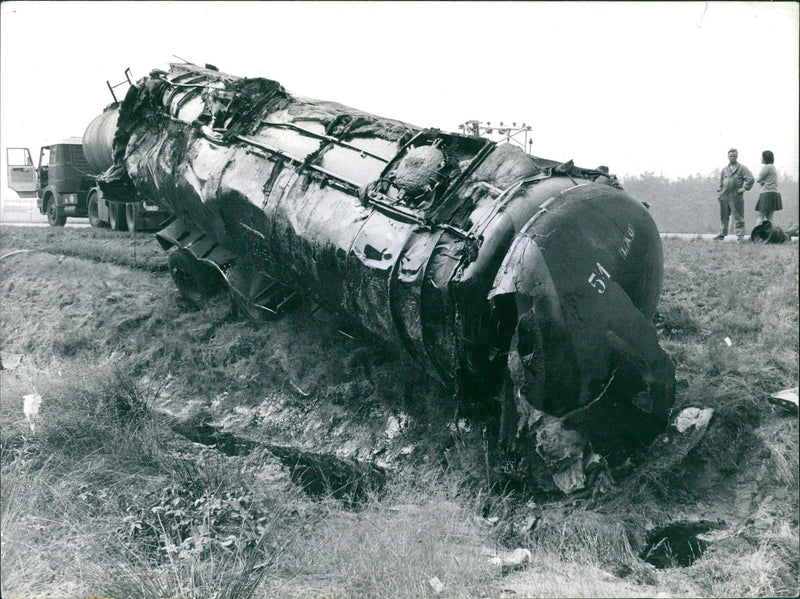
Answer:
(491, 268)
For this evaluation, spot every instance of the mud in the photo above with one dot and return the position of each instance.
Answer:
(318, 474)
(678, 544)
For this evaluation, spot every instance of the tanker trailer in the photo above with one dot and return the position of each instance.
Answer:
(499, 273)
(121, 211)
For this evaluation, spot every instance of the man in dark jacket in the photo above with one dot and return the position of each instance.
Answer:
(734, 180)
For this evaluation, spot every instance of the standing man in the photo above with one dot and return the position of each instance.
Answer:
(734, 180)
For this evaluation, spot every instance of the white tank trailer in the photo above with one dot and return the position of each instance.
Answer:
(500, 274)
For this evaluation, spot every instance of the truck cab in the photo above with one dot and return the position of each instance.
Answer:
(64, 186)
(60, 182)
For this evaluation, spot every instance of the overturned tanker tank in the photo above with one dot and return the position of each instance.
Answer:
(492, 269)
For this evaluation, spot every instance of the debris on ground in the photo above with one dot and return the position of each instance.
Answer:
(766, 232)
(786, 398)
(509, 561)
(683, 433)
(436, 584)
(10, 361)
(30, 407)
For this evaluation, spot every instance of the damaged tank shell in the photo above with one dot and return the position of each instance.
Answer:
(491, 268)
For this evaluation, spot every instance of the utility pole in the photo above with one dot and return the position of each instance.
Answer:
(517, 135)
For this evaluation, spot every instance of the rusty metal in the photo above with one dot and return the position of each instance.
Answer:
(494, 270)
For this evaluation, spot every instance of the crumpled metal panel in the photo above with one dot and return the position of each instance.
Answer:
(481, 262)
(582, 351)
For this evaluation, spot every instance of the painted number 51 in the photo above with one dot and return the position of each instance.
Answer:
(598, 278)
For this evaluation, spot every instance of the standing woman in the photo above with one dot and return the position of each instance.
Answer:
(770, 200)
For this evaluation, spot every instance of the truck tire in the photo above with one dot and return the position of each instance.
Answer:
(93, 211)
(116, 216)
(196, 281)
(55, 214)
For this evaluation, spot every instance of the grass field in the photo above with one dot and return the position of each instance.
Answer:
(107, 499)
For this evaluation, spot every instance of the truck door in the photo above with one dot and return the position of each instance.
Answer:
(21, 172)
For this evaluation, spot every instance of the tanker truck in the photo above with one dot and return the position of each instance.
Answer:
(122, 211)
(65, 180)
(517, 279)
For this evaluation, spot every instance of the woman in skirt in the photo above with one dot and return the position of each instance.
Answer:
(770, 200)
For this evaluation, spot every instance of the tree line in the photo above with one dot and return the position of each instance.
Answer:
(689, 205)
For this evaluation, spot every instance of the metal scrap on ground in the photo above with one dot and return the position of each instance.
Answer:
(787, 397)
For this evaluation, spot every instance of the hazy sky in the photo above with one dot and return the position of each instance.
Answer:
(665, 86)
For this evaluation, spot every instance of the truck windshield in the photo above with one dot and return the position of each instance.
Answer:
(44, 157)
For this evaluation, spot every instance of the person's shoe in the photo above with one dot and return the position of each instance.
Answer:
(740, 238)
(719, 237)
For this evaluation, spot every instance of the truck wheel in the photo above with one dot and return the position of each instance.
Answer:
(195, 280)
(55, 215)
(93, 211)
(132, 218)
(116, 216)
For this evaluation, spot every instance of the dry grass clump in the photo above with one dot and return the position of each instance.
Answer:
(395, 545)
(588, 536)
(674, 319)
(765, 567)
(781, 441)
